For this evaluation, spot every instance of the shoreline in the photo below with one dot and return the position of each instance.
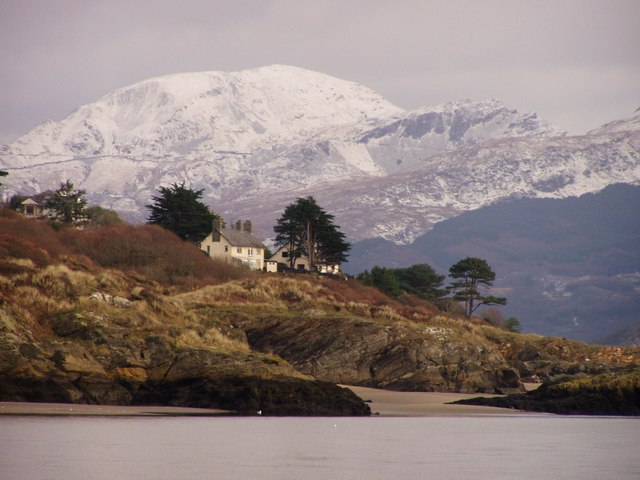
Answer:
(385, 403)
(75, 409)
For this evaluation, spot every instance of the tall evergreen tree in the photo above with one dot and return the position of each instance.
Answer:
(289, 231)
(67, 204)
(308, 230)
(180, 210)
(384, 279)
(422, 281)
(471, 274)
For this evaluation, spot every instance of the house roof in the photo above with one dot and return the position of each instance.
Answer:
(240, 238)
(29, 201)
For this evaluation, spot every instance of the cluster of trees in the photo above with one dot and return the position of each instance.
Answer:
(471, 278)
(420, 280)
(304, 226)
(68, 206)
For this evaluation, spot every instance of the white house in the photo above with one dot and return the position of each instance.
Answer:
(235, 245)
(301, 263)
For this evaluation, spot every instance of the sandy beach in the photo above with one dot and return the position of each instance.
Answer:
(382, 402)
(424, 404)
(31, 408)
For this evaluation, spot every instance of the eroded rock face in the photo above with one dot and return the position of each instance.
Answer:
(399, 357)
(250, 395)
(81, 362)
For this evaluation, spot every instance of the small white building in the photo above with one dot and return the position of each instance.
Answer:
(30, 208)
(301, 264)
(235, 245)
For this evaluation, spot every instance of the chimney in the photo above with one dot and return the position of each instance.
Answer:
(215, 232)
(247, 226)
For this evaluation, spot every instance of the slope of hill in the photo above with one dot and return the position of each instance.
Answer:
(72, 330)
(569, 267)
(255, 140)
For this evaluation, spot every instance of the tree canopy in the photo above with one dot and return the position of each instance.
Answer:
(100, 216)
(420, 280)
(384, 279)
(308, 230)
(472, 274)
(67, 204)
(179, 209)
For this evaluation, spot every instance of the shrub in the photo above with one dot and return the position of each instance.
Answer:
(152, 251)
(148, 250)
(23, 238)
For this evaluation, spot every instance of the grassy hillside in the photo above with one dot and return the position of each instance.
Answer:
(132, 315)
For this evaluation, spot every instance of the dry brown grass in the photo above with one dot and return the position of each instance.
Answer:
(155, 253)
(58, 281)
(147, 250)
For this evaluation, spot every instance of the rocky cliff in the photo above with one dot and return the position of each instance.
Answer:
(74, 331)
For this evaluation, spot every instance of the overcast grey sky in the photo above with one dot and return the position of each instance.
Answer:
(575, 62)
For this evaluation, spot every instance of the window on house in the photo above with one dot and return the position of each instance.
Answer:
(285, 254)
(250, 251)
(239, 250)
(226, 248)
(209, 250)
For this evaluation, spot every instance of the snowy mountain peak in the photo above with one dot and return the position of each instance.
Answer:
(225, 111)
(631, 124)
(446, 127)
(254, 140)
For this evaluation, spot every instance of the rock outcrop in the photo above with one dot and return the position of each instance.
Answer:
(83, 362)
(391, 355)
(606, 394)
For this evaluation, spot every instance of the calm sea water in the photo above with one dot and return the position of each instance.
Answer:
(523, 447)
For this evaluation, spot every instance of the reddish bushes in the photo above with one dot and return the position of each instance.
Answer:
(152, 251)
(20, 238)
(354, 291)
(149, 250)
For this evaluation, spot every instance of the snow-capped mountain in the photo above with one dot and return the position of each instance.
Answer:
(255, 140)
(195, 113)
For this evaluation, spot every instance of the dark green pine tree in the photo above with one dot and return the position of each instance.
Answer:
(180, 210)
(384, 279)
(289, 232)
(308, 230)
(471, 275)
(67, 204)
(422, 281)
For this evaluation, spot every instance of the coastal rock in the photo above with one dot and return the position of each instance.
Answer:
(83, 362)
(606, 394)
(397, 357)
(250, 395)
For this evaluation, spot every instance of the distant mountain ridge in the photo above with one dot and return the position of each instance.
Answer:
(569, 267)
(255, 140)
